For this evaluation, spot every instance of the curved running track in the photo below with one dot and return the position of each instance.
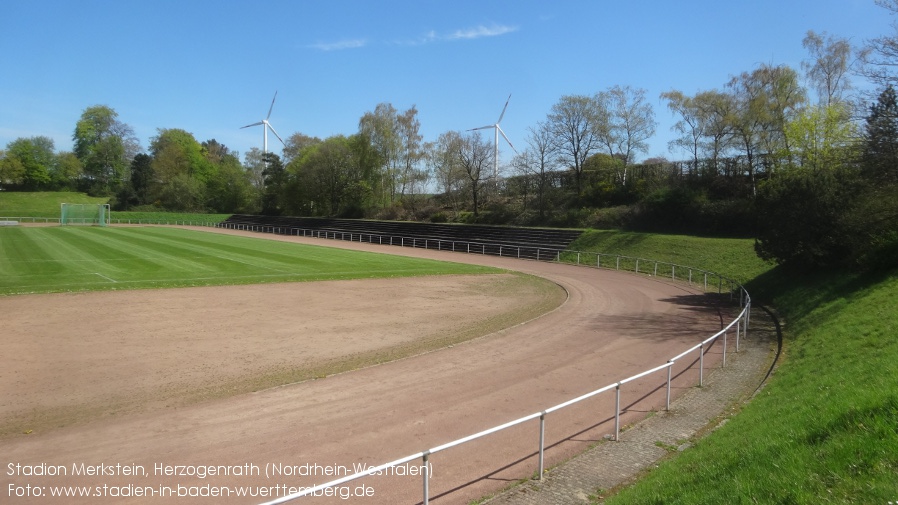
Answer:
(612, 326)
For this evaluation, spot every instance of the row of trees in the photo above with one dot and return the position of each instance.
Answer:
(760, 151)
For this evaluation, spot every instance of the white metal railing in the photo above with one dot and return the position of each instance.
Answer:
(619, 262)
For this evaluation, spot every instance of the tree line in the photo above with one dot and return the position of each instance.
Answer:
(795, 158)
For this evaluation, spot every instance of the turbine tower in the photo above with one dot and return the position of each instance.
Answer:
(496, 145)
(266, 126)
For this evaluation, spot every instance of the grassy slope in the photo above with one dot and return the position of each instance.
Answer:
(40, 204)
(52, 259)
(46, 205)
(825, 429)
(733, 258)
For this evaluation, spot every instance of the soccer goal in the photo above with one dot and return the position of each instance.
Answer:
(89, 214)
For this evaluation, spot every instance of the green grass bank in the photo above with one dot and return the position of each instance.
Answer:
(825, 427)
(46, 205)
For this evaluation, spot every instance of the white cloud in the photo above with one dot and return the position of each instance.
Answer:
(340, 45)
(481, 31)
(429, 37)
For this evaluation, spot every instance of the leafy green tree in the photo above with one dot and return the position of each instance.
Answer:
(765, 99)
(255, 165)
(67, 171)
(273, 196)
(12, 172)
(176, 151)
(230, 190)
(822, 136)
(142, 178)
(802, 218)
(36, 157)
(328, 179)
(180, 170)
(295, 145)
(105, 146)
(880, 158)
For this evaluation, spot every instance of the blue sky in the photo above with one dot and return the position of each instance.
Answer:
(211, 67)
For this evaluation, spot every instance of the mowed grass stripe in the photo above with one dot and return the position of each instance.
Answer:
(15, 245)
(150, 254)
(214, 253)
(53, 259)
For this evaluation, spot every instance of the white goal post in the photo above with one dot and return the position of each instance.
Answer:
(89, 214)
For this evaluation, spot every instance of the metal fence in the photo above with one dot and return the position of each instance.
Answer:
(708, 281)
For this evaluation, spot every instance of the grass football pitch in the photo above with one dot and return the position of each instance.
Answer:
(65, 259)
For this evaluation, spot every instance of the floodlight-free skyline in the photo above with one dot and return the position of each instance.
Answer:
(266, 126)
(337, 60)
(496, 141)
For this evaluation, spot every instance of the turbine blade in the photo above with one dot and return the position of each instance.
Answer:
(503, 109)
(254, 124)
(272, 104)
(506, 139)
(482, 127)
(276, 134)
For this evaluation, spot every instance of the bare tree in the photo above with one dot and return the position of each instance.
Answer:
(380, 129)
(573, 123)
(536, 161)
(631, 122)
(827, 70)
(409, 153)
(691, 125)
(474, 157)
(716, 109)
(444, 165)
(879, 57)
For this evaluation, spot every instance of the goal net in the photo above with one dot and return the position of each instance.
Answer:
(89, 214)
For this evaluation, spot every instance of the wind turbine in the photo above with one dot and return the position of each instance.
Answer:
(498, 131)
(267, 126)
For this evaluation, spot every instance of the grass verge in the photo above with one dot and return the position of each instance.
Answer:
(825, 429)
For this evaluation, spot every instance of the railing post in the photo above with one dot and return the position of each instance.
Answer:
(598, 260)
(542, 442)
(673, 272)
(426, 473)
(637, 265)
(669, 367)
(701, 365)
(724, 349)
(617, 266)
(738, 332)
(617, 413)
(656, 269)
